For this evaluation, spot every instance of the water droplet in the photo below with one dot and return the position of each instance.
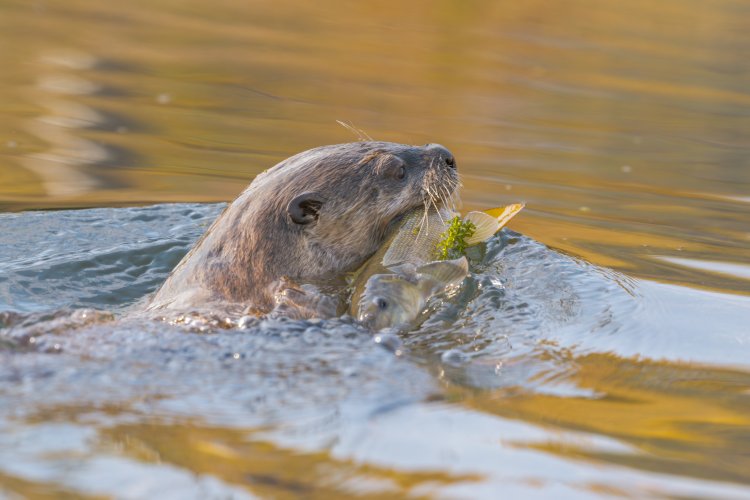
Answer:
(246, 322)
(164, 98)
(626, 169)
(454, 357)
(584, 209)
(389, 341)
(11, 144)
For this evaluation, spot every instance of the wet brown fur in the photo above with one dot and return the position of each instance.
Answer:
(254, 243)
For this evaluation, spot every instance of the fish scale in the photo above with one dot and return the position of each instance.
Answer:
(417, 238)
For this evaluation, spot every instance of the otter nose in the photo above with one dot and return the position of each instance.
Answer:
(442, 153)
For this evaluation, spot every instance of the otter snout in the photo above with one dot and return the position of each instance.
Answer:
(441, 152)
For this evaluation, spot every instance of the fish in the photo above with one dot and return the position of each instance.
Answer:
(394, 286)
(421, 231)
(396, 299)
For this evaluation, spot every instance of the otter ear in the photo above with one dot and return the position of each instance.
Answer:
(305, 208)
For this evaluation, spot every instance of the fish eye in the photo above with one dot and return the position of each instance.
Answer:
(381, 303)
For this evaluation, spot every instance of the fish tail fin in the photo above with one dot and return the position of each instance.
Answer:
(446, 271)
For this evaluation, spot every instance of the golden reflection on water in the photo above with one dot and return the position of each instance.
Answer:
(686, 420)
(264, 468)
(624, 126)
(679, 420)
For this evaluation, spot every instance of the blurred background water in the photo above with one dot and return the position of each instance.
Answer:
(624, 126)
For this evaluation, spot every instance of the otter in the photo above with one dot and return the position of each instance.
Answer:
(313, 216)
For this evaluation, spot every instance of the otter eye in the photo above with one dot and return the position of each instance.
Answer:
(401, 173)
(390, 166)
(381, 303)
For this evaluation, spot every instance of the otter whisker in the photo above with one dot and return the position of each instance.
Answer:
(437, 209)
(366, 135)
(452, 196)
(446, 196)
(452, 199)
(359, 133)
(440, 195)
(454, 202)
(456, 198)
(425, 219)
(437, 201)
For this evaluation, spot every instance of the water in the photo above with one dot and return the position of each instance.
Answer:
(601, 349)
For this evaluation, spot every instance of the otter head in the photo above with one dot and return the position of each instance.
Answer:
(344, 197)
(311, 217)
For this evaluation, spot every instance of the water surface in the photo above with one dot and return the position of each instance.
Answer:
(604, 350)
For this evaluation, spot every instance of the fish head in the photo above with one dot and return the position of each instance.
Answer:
(390, 300)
